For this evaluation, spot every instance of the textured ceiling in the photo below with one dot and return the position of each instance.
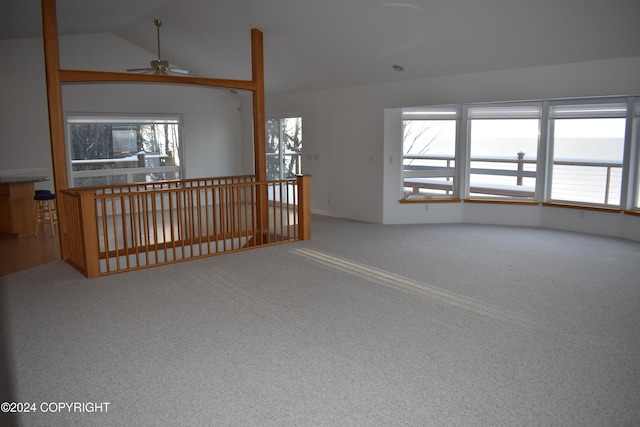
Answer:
(321, 44)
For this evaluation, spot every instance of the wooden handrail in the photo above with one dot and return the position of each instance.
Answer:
(127, 227)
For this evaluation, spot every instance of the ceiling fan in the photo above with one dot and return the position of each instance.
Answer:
(161, 66)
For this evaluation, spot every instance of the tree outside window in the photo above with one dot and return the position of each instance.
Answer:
(284, 148)
(107, 150)
(429, 153)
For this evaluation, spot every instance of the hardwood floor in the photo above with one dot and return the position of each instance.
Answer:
(27, 252)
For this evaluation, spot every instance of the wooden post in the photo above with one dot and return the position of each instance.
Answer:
(259, 125)
(520, 168)
(304, 207)
(54, 100)
(89, 230)
(259, 133)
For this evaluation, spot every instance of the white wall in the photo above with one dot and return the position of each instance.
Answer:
(211, 119)
(342, 132)
(213, 134)
(359, 169)
(24, 143)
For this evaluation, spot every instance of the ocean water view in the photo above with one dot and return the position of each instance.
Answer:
(587, 170)
(584, 154)
(583, 170)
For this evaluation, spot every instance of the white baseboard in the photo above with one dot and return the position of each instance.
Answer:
(325, 213)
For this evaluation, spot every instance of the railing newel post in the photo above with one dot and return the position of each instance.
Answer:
(89, 229)
(304, 207)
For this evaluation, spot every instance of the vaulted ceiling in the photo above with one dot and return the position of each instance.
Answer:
(322, 44)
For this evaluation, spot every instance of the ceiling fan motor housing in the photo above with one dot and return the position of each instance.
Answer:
(160, 65)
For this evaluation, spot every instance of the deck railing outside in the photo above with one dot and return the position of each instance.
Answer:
(590, 181)
(596, 181)
(124, 170)
(127, 227)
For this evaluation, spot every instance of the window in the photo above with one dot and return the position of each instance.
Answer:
(429, 153)
(635, 157)
(578, 151)
(108, 150)
(588, 150)
(284, 148)
(503, 150)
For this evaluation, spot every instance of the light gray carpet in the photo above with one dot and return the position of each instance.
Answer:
(363, 325)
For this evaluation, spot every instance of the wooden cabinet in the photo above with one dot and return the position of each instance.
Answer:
(17, 207)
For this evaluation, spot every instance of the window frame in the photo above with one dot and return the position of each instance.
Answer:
(129, 171)
(432, 173)
(504, 111)
(586, 109)
(281, 153)
(630, 181)
(632, 157)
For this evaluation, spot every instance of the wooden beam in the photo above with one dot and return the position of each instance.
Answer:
(82, 76)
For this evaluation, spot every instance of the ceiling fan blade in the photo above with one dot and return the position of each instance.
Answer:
(139, 69)
(185, 72)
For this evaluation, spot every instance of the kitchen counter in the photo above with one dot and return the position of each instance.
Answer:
(17, 207)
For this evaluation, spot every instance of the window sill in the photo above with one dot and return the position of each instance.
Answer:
(523, 203)
(425, 200)
(504, 201)
(582, 207)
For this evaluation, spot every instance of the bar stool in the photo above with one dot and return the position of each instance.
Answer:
(45, 211)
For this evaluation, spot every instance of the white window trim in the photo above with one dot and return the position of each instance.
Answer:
(550, 109)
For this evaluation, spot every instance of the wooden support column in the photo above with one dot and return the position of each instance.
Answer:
(259, 124)
(304, 207)
(259, 132)
(90, 246)
(54, 100)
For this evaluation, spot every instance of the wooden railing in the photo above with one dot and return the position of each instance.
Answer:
(126, 227)
(440, 178)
